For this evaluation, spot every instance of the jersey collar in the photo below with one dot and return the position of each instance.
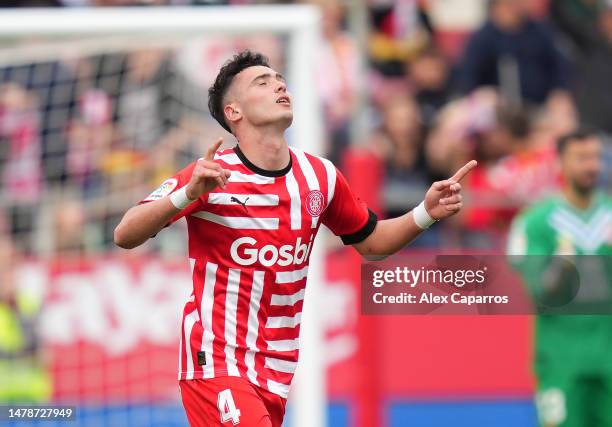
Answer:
(260, 171)
(596, 201)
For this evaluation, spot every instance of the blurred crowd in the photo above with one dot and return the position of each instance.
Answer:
(82, 139)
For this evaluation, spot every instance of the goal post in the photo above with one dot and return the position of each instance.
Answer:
(59, 31)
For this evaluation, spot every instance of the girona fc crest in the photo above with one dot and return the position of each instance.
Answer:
(315, 202)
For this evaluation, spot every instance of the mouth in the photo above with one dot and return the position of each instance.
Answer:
(283, 100)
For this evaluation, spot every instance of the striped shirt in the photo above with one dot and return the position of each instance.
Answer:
(249, 247)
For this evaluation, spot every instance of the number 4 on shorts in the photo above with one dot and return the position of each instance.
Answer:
(227, 407)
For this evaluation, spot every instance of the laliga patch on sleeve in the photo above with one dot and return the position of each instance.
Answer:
(163, 190)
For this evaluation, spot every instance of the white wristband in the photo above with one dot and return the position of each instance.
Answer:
(421, 218)
(179, 198)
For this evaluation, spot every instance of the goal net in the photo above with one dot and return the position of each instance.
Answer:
(97, 107)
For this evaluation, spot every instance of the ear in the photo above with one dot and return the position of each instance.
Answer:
(232, 113)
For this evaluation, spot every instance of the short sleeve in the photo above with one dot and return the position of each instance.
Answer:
(171, 185)
(530, 235)
(347, 216)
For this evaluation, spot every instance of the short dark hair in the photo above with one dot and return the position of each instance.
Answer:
(515, 120)
(580, 134)
(230, 69)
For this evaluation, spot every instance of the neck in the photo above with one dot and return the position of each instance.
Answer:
(518, 146)
(508, 25)
(577, 199)
(266, 148)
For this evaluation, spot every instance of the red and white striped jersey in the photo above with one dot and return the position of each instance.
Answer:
(249, 247)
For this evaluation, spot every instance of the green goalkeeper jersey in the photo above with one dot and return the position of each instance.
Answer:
(550, 228)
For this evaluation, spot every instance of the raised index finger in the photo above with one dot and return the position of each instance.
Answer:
(210, 154)
(461, 173)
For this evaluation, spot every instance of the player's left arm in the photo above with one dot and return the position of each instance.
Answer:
(442, 200)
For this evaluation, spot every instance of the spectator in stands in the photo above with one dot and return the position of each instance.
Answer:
(593, 73)
(400, 29)
(52, 88)
(69, 229)
(24, 379)
(524, 172)
(430, 77)
(399, 144)
(20, 163)
(90, 136)
(515, 53)
(461, 129)
(141, 92)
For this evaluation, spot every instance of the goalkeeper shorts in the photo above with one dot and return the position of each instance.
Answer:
(566, 400)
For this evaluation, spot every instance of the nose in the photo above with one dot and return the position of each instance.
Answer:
(281, 87)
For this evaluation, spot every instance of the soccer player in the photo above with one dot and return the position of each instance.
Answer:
(573, 353)
(252, 213)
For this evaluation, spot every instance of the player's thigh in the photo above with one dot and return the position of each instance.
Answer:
(561, 400)
(224, 401)
(274, 404)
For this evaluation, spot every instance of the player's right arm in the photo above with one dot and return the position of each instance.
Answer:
(145, 220)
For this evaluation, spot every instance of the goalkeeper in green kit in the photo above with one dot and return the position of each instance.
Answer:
(573, 352)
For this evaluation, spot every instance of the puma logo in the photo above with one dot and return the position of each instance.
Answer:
(235, 200)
